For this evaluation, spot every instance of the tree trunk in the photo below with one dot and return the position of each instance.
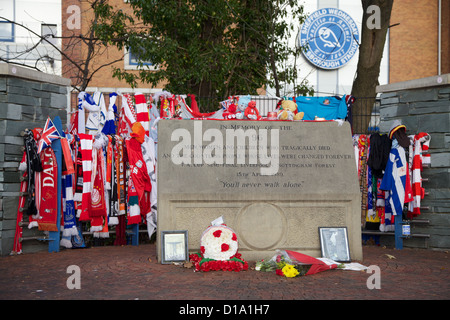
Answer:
(371, 50)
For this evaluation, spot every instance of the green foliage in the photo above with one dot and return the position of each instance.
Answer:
(206, 47)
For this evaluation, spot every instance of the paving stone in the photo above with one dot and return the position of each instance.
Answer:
(132, 272)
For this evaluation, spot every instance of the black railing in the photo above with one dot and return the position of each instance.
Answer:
(365, 116)
(365, 120)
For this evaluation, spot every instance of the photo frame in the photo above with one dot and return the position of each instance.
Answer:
(334, 243)
(174, 245)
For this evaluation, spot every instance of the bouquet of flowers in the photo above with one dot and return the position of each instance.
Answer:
(283, 265)
(292, 264)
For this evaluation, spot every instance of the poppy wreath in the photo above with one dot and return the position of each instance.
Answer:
(218, 251)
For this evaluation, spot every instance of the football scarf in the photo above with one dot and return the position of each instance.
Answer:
(142, 115)
(97, 210)
(418, 159)
(104, 232)
(110, 124)
(81, 117)
(127, 117)
(67, 219)
(79, 177)
(164, 109)
(148, 153)
(120, 175)
(139, 181)
(97, 112)
(17, 245)
(70, 223)
(48, 183)
(68, 167)
(133, 210)
(33, 164)
(138, 167)
(86, 141)
(112, 183)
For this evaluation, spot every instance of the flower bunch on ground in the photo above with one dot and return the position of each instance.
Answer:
(282, 266)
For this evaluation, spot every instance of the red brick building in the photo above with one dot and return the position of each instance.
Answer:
(418, 47)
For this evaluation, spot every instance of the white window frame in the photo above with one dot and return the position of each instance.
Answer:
(48, 35)
(131, 65)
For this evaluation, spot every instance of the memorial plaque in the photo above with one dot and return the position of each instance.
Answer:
(274, 182)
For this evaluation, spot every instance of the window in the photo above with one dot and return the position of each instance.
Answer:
(48, 31)
(6, 31)
(132, 61)
(7, 28)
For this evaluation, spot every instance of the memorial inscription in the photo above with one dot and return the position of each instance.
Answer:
(251, 169)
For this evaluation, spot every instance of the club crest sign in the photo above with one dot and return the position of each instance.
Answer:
(330, 37)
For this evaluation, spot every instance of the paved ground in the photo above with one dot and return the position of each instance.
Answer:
(132, 273)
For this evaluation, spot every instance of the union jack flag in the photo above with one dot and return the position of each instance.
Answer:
(49, 134)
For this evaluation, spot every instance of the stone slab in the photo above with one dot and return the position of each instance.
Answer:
(275, 187)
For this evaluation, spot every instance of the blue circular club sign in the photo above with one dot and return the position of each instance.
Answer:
(330, 37)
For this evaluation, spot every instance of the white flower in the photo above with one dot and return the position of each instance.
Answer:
(215, 239)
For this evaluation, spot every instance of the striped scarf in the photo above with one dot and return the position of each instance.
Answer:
(421, 143)
(142, 115)
(98, 210)
(86, 141)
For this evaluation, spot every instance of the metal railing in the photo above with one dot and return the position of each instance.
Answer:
(365, 120)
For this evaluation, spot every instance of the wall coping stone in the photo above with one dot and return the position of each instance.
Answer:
(10, 70)
(434, 81)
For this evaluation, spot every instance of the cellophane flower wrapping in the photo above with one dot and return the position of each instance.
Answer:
(282, 264)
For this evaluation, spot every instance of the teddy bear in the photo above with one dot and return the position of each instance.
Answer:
(288, 111)
(241, 106)
(230, 112)
(251, 112)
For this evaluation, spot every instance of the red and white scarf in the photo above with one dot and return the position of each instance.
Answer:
(420, 144)
(98, 211)
(142, 112)
(86, 141)
(127, 116)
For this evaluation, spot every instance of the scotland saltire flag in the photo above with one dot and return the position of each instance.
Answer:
(49, 134)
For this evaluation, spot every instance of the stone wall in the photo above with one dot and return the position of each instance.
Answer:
(423, 105)
(27, 98)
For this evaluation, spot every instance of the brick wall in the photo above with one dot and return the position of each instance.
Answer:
(413, 44)
(77, 51)
(27, 98)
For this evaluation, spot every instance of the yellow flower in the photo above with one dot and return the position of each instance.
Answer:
(289, 271)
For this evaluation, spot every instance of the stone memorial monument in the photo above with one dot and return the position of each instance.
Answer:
(273, 182)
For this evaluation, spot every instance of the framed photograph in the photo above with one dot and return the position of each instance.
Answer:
(174, 245)
(334, 243)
